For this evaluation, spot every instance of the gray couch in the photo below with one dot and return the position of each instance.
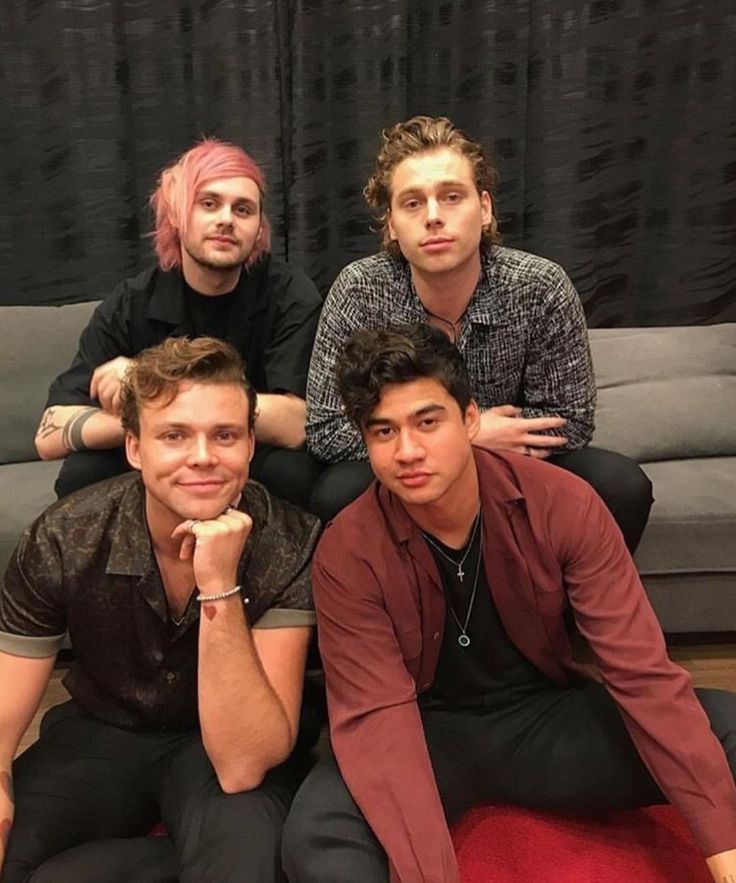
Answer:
(667, 398)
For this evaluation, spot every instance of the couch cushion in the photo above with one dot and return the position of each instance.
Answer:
(692, 526)
(36, 344)
(26, 489)
(666, 393)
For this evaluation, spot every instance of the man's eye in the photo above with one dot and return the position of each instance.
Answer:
(428, 422)
(226, 436)
(245, 210)
(411, 204)
(207, 203)
(172, 436)
(453, 197)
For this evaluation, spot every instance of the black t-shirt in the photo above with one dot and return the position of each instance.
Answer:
(490, 672)
(209, 315)
(272, 319)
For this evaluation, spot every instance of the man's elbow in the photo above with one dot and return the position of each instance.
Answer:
(48, 450)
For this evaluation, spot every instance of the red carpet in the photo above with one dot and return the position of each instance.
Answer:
(504, 844)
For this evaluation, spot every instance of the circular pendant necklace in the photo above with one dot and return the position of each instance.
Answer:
(463, 638)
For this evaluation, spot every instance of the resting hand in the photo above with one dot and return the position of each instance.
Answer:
(504, 429)
(215, 547)
(107, 384)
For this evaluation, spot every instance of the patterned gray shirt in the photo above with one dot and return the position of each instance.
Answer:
(87, 565)
(523, 337)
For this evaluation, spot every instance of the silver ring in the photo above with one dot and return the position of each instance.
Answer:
(192, 522)
(527, 451)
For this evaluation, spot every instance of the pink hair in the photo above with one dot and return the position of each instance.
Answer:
(179, 184)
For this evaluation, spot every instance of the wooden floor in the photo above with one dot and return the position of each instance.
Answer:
(711, 665)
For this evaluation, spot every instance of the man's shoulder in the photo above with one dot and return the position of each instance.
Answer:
(372, 273)
(358, 529)
(515, 267)
(281, 279)
(280, 522)
(92, 503)
(509, 476)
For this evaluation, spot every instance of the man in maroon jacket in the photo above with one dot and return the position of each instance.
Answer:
(441, 598)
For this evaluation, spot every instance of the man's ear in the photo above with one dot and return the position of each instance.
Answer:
(132, 450)
(486, 208)
(252, 445)
(389, 224)
(472, 419)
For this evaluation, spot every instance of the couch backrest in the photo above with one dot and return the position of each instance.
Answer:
(36, 344)
(666, 393)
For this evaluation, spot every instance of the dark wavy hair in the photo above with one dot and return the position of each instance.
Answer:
(157, 372)
(375, 358)
(422, 134)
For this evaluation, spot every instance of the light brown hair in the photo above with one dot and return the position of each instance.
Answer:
(157, 372)
(422, 134)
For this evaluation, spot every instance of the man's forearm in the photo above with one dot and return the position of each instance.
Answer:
(67, 428)
(281, 420)
(245, 728)
(7, 807)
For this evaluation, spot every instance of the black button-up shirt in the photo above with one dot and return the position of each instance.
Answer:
(272, 322)
(87, 565)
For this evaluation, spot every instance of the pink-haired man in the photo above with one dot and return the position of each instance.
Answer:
(216, 277)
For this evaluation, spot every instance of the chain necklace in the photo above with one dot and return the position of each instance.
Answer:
(458, 564)
(463, 638)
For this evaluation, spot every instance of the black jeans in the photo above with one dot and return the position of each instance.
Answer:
(619, 481)
(88, 793)
(289, 474)
(564, 749)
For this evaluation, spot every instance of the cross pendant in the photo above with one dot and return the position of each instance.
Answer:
(460, 572)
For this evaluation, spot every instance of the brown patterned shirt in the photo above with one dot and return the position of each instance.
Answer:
(87, 565)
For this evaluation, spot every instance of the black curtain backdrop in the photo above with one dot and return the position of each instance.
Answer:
(612, 123)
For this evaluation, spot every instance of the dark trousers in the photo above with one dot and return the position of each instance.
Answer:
(565, 750)
(87, 794)
(619, 481)
(288, 474)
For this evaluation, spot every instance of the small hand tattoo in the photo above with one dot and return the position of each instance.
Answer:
(5, 826)
(210, 611)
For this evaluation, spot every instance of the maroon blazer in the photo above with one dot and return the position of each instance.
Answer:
(550, 543)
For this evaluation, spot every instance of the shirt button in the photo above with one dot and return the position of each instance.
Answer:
(435, 636)
(170, 676)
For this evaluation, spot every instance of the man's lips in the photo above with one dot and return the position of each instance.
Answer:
(414, 479)
(202, 485)
(438, 243)
(223, 240)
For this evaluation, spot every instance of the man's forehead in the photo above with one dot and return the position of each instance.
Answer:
(438, 165)
(189, 396)
(237, 187)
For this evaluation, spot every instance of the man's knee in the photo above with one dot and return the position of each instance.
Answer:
(83, 468)
(338, 486)
(620, 482)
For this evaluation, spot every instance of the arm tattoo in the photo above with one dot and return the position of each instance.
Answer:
(71, 436)
(47, 426)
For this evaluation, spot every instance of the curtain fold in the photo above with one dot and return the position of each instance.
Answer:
(612, 124)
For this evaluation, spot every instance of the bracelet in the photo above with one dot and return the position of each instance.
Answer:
(219, 597)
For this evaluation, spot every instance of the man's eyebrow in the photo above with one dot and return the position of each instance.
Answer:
(432, 408)
(417, 188)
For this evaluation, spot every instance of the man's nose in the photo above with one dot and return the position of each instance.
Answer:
(201, 453)
(408, 447)
(433, 216)
(225, 214)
